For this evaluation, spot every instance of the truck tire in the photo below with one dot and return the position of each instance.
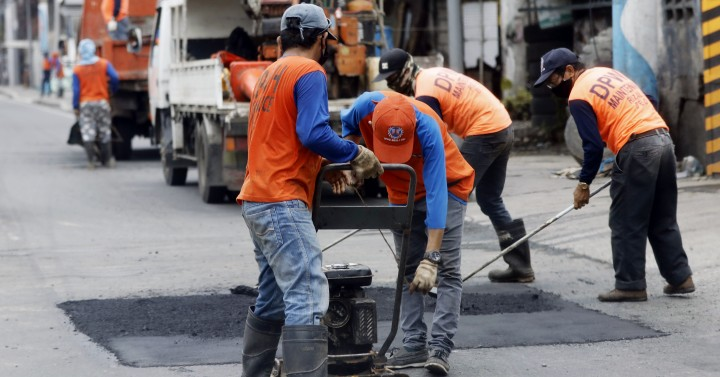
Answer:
(210, 194)
(122, 138)
(173, 176)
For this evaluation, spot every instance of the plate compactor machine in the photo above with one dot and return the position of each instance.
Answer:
(351, 318)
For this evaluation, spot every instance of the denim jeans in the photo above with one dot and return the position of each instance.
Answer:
(488, 155)
(449, 291)
(644, 207)
(292, 285)
(121, 33)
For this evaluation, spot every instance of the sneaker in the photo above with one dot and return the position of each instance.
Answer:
(686, 287)
(437, 363)
(402, 358)
(617, 295)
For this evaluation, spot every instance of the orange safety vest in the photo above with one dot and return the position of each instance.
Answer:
(279, 167)
(467, 106)
(93, 81)
(107, 7)
(621, 107)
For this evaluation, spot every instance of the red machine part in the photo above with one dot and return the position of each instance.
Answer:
(244, 76)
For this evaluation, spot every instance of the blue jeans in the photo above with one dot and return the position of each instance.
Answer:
(488, 155)
(121, 33)
(292, 285)
(449, 291)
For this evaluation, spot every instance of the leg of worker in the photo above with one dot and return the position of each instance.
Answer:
(664, 233)
(449, 290)
(88, 131)
(104, 122)
(632, 192)
(412, 305)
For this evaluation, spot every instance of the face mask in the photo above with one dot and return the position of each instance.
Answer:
(324, 55)
(563, 89)
(404, 83)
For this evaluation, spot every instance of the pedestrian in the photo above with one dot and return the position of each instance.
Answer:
(57, 66)
(288, 136)
(406, 131)
(115, 14)
(472, 112)
(609, 109)
(91, 102)
(46, 70)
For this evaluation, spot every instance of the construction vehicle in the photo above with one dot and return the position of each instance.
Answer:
(206, 56)
(130, 59)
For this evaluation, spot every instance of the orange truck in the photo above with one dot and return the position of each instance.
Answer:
(129, 104)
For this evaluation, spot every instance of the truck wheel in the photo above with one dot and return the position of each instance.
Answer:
(122, 139)
(210, 194)
(173, 176)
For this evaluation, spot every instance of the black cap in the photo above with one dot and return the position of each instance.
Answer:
(391, 61)
(552, 60)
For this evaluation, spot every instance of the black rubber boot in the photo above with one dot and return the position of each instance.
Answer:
(305, 351)
(519, 269)
(106, 156)
(260, 343)
(92, 153)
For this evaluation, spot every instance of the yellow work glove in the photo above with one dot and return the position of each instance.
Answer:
(581, 197)
(425, 276)
(365, 164)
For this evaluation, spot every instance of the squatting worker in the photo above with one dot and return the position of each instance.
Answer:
(403, 130)
(472, 112)
(288, 136)
(91, 102)
(115, 14)
(609, 108)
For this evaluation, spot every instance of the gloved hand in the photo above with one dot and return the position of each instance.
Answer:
(339, 180)
(365, 164)
(112, 25)
(581, 197)
(425, 276)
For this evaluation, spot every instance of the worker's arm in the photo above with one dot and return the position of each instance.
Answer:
(76, 92)
(433, 103)
(362, 108)
(592, 143)
(114, 79)
(312, 126)
(434, 175)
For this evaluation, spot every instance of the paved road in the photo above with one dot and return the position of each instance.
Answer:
(67, 233)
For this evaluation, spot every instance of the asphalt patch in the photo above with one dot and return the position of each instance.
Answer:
(208, 329)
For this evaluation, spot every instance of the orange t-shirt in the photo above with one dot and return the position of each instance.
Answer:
(107, 7)
(279, 167)
(460, 175)
(621, 107)
(93, 81)
(467, 106)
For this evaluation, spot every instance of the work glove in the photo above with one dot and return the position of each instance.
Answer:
(339, 180)
(112, 25)
(581, 197)
(425, 277)
(365, 164)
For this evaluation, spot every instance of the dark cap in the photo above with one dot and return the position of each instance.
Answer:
(311, 17)
(552, 60)
(391, 61)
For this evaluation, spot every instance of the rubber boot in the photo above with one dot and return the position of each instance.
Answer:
(260, 344)
(305, 351)
(519, 269)
(91, 154)
(106, 156)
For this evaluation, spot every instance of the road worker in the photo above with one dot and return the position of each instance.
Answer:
(472, 112)
(115, 14)
(288, 136)
(403, 130)
(609, 109)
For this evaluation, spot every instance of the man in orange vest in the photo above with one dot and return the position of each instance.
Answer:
(288, 136)
(46, 70)
(472, 112)
(91, 101)
(609, 109)
(406, 131)
(115, 13)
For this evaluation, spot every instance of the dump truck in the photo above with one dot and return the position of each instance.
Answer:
(205, 57)
(129, 104)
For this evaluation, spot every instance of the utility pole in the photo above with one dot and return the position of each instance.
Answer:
(28, 32)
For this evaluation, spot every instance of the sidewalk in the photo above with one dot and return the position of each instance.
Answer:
(32, 95)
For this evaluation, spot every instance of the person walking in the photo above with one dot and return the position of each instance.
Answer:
(288, 136)
(472, 112)
(406, 131)
(46, 72)
(91, 103)
(610, 109)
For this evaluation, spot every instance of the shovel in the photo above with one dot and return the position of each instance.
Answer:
(433, 291)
